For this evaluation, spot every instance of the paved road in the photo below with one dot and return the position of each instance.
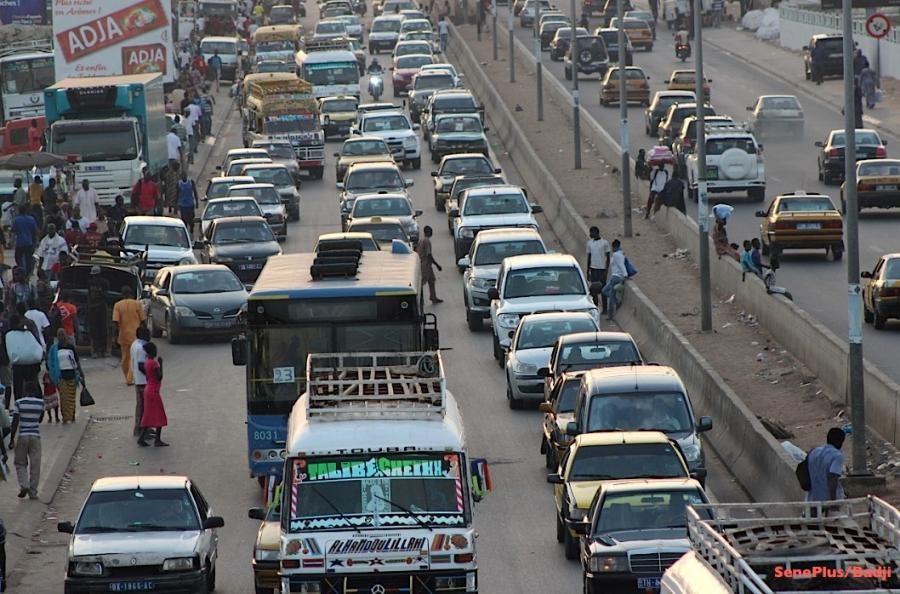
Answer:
(818, 284)
(205, 397)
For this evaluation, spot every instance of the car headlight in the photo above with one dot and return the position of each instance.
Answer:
(609, 564)
(522, 368)
(266, 555)
(91, 568)
(595, 313)
(178, 564)
(691, 452)
(411, 141)
(482, 284)
(188, 260)
(466, 233)
(508, 321)
(185, 312)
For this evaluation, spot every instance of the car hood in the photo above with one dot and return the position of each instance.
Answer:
(670, 539)
(209, 302)
(522, 305)
(498, 220)
(490, 272)
(159, 253)
(384, 35)
(539, 357)
(272, 209)
(248, 250)
(146, 546)
(350, 160)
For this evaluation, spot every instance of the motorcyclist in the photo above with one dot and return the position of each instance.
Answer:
(375, 67)
(682, 37)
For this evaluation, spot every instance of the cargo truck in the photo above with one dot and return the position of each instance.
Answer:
(116, 125)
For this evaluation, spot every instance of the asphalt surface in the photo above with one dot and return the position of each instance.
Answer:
(204, 395)
(817, 283)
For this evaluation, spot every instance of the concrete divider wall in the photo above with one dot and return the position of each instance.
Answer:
(744, 445)
(817, 347)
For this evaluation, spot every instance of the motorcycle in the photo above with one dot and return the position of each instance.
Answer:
(683, 51)
(376, 86)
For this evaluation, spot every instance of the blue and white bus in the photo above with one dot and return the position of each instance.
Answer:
(331, 72)
(319, 303)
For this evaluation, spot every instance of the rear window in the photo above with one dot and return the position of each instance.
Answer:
(832, 45)
(882, 168)
(838, 139)
(489, 254)
(592, 354)
(817, 204)
(624, 461)
(231, 208)
(718, 146)
(780, 103)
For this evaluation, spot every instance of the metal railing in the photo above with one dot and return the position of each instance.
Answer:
(830, 20)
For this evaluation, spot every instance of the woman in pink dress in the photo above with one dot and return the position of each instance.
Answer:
(154, 416)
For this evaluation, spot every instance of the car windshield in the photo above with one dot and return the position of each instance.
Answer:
(384, 232)
(388, 179)
(138, 510)
(268, 195)
(467, 182)
(459, 124)
(466, 166)
(386, 26)
(433, 81)
(633, 411)
(238, 165)
(228, 48)
(780, 103)
(645, 510)
(339, 105)
(219, 190)
(590, 355)
(328, 27)
(388, 123)
(231, 208)
(157, 235)
(862, 137)
(495, 204)
(543, 334)
(536, 282)
(568, 393)
(455, 103)
(280, 151)
(416, 25)
(205, 281)
(880, 168)
(274, 46)
(892, 268)
(493, 253)
(717, 146)
(412, 47)
(382, 207)
(365, 147)
(816, 204)
(247, 232)
(274, 66)
(277, 176)
(624, 461)
(413, 62)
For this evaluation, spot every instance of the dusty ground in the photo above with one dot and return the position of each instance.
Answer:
(769, 380)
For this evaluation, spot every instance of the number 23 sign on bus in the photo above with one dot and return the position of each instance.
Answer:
(91, 40)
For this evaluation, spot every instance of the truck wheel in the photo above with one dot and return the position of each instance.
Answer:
(837, 253)
(416, 163)
(211, 579)
(174, 337)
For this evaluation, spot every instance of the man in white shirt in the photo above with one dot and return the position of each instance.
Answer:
(40, 321)
(598, 254)
(86, 199)
(138, 356)
(617, 274)
(50, 247)
(184, 59)
(193, 113)
(173, 144)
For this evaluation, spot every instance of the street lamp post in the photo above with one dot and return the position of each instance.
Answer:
(512, 45)
(494, 26)
(539, 74)
(624, 138)
(576, 98)
(702, 203)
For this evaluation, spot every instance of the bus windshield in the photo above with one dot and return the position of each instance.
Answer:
(107, 143)
(336, 73)
(27, 75)
(402, 489)
(282, 124)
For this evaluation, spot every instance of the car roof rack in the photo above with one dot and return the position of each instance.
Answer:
(336, 259)
(104, 255)
(409, 385)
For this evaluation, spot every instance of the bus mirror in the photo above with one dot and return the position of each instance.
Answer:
(431, 339)
(481, 478)
(239, 350)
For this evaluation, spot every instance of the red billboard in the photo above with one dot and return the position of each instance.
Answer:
(141, 59)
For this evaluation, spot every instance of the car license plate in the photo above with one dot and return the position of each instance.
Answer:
(251, 266)
(808, 226)
(712, 172)
(217, 324)
(648, 584)
(886, 188)
(861, 156)
(135, 586)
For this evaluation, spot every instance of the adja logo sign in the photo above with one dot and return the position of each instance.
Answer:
(110, 29)
(141, 59)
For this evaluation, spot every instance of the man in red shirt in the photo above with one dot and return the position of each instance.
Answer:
(92, 237)
(35, 136)
(145, 194)
(67, 313)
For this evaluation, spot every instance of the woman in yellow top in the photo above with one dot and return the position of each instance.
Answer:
(128, 315)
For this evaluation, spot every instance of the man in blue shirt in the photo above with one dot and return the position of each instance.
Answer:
(187, 201)
(25, 228)
(826, 465)
(747, 263)
(755, 255)
(215, 65)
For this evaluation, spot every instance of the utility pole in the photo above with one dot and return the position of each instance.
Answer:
(512, 45)
(576, 98)
(702, 204)
(624, 138)
(539, 70)
(856, 394)
(494, 26)
(478, 11)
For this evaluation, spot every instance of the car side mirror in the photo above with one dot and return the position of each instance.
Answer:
(543, 372)
(454, 212)
(572, 429)
(162, 292)
(408, 182)
(493, 293)
(666, 81)
(511, 333)
(818, 143)
(486, 129)
(256, 513)
(434, 174)
(865, 274)
(339, 185)
(497, 170)
(805, 48)
(416, 126)
(337, 154)
(884, 143)
(699, 475)
(704, 424)
(760, 213)
(65, 527)
(213, 522)
(536, 208)
(239, 350)
(218, 168)
(417, 213)
(546, 407)
(749, 108)
(554, 479)
(579, 527)
(391, 68)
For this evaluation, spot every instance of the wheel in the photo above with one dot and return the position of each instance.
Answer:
(155, 332)
(549, 457)
(510, 401)
(260, 590)
(806, 73)
(211, 579)
(496, 347)
(372, 50)
(438, 203)
(317, 173)
(416, 163)
(435, 158)
(868, 316)
(475, 322)
(821, 176)
(560, 530)
(295, 215)
(649, 47)
(568, 73)
(765, 247)
(174, 337)
(878, 321)
(570, 544)
(837, 253)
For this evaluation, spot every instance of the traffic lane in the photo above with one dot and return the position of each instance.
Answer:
(816, 283)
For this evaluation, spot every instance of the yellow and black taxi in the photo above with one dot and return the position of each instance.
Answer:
(266, 547)
(881, 291)
(637, 86)
(877, 184)
(559, 411)
(595, 458)
(869, 145)
(338, 115)
(800, 221)
(684, 80)
(637, 30)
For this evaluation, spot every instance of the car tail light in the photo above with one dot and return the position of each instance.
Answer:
(890, 292)
(783, 225)
(833, 152)
(833, 225)
(881, 152)
(862, 186)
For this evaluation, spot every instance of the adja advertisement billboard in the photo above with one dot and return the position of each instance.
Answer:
(90, 39)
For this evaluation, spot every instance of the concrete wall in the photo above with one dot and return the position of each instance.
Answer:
(817, 347)
(746, 448)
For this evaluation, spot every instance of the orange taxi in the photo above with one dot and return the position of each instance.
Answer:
(877, 184)
(638, 32)
(637, 86)
(683, 80)
(799, 221)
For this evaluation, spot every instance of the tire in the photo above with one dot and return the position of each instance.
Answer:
(868, 317)
(878, 321)
(438, 204)
(510, 401)
(568, 73)
(560, 530)
(259, 590)
(496, 347)
(295, 215)
(416, 163)
(837, 254)
(155, 332)
(821, 175)
(317, 173)
(756, 194)
(570, 545)
(211, 579)
(475, 322)
(765, 247)
(649, 48)
(549, 457)
(806, 73)
(174, 337)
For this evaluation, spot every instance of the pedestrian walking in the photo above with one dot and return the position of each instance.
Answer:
(49, 197)
(138, 357)
(858, 105)
(25, 228)
(20, 196)
(672, 194)
(860, 62)
(37, 317)
(50, 247)
(174, 148)
(153, 418)
(598, 254)
(426, 256)
(25, 353)
(86, 200)
(654, 9)
(207, 104)
(64, 368)
(35, 194)
(444, 32)
(618, 272)
(718, 8)
(192, 117)
(817, 59)
(868, 84)
(658, 180)
(51, 399)
(128, 315)
(66, 313)
(145, 194)
(188, 201)
(826, 466)
(215, 67)
(20, 290)
(27, 416)
(98, 312)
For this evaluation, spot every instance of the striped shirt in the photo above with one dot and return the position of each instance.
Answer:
(29, 410)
